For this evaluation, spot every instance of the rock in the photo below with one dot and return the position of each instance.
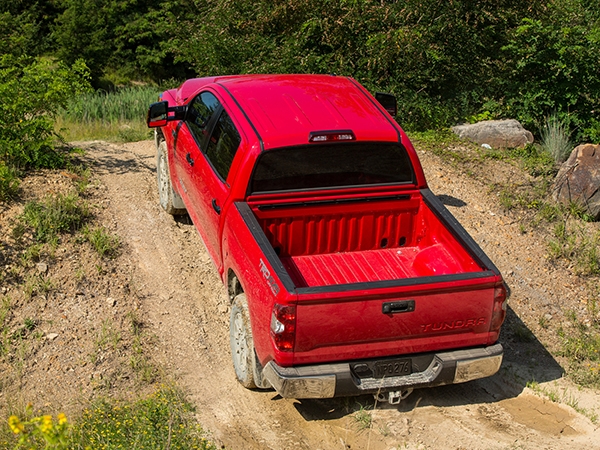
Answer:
(578, 180)
(42, 267)
(495, 133)
(51, 336)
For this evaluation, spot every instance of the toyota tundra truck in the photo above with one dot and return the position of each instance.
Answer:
(346, 274)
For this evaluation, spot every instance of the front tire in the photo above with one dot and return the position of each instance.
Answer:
(169, 200)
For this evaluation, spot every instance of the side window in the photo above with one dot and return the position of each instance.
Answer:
(199, 113)
(222, 145)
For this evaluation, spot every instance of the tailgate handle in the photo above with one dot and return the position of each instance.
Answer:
(398, 307)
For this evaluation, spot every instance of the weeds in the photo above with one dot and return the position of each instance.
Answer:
(581, 346)
(363, 418)
(82, 177)
(566, 398)
(102, 241)
(37, 284)
(109, 336)
(140, 363)
(108, 115)
(574, 244)
(162, 420)
(54, 215)
(556, 139)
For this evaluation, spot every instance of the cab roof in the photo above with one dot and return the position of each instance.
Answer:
(286, 109)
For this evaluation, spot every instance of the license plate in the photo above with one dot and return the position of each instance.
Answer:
(392, 368)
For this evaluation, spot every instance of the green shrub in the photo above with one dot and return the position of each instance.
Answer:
(54, 215)
(31, 93)
(162, 420)
(9, 182)
(102, 241)
(556, 139)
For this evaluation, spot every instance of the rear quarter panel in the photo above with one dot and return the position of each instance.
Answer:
(244, 254)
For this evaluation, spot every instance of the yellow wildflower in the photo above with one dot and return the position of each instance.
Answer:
(15, 425)
(46, 425)
(62, 419)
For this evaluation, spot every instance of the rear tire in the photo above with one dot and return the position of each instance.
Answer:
(169, 200)
(242, 344)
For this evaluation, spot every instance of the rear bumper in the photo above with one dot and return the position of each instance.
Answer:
(333, 380)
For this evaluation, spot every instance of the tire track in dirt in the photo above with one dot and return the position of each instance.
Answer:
(185, 306)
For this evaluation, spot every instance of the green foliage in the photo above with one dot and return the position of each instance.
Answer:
(54, 215)
(31, 92)
(446, 61)
(9, 182)
(115, 115)
(535, 160)
(119, 41)
(551, 64)
(573, 244)
(162, 420)
(556, 140)
(40, 431)
(581, 345)
(434, 56)
(121, 105)
(102, 241)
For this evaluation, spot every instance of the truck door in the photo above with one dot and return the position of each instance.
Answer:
(190, 139)
(209, 175)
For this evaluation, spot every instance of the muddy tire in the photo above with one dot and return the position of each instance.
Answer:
(169, 200)
(242, 344)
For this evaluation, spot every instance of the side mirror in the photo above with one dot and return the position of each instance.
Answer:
(388, 101)
(157, 114)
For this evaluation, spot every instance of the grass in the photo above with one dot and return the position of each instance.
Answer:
(556, 139)
(118, 115)
(105, 244)
(564, 397)
(575, 244)
(162, 420)
(363, 418)
(581, 346)
(54, 215)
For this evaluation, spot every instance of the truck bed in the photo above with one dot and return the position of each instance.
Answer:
(387, 238)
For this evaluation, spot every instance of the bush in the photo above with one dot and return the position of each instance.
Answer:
(31, 93)
(556, 139)
(9, 182)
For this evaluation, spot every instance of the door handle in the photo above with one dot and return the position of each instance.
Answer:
(216, 207)
(398, 307)
(189, 159)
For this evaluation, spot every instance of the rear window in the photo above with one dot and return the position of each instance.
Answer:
(331, 166)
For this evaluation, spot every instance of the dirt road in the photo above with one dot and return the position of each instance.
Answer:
(186, 308)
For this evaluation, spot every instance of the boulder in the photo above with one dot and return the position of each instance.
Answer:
(578, 179)
(496, 133)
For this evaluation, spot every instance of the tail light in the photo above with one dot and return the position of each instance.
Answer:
(500, 305)
(283, 326)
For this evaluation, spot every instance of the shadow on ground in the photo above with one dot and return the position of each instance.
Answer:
(525, 360)
(109, 158)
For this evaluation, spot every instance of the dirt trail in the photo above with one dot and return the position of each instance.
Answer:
(186, 308)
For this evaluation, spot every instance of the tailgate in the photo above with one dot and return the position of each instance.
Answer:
(368, 323)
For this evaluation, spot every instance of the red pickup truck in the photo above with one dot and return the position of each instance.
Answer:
(346, 274)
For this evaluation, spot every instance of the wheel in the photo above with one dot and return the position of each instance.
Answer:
(242, 345)
(169, 200)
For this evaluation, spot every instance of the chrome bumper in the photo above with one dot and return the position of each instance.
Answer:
(332, 380)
